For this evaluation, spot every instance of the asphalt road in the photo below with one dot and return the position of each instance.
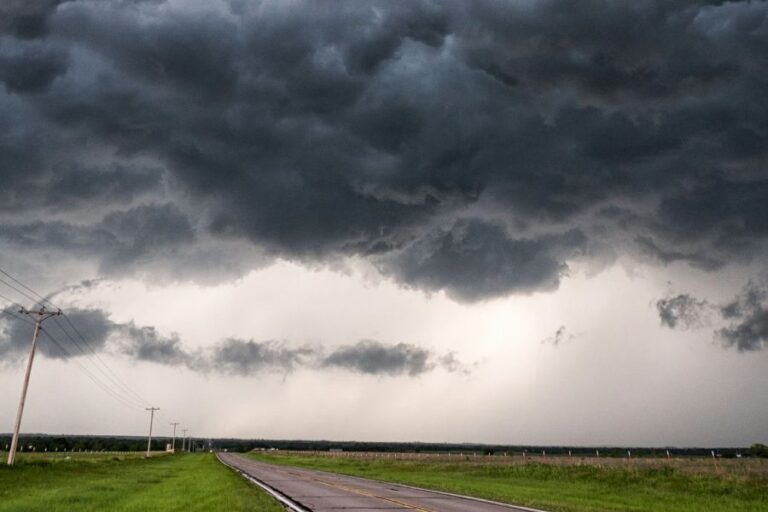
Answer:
(321, 491)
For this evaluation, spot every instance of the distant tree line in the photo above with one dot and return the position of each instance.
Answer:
(41, 443)
(759, 450)
(243, 445)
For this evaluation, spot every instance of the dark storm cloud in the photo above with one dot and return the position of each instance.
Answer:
(316, 131)
(92, 330)
(245, 357)
(122, 238)
(698, 260)
(88, 331)
(114, 186)
(26, 19)
(475, 259)
(146, 344)
(31, 68)
(682, 311)
(748, 317)
(375, 358)
(59, 340)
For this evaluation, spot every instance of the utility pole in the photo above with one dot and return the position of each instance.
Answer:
(151, 419)
(173, 443)
(40, 315)
(184, 439)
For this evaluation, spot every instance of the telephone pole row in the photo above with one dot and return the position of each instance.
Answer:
(173, 442)
(151, 419)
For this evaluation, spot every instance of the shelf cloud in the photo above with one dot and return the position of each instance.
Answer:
(413, 135)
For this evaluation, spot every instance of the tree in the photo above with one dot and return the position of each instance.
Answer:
(759, 450)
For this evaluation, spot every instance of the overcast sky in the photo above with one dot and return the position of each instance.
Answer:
(528, 222)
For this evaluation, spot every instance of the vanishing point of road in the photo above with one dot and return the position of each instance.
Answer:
(318, 491)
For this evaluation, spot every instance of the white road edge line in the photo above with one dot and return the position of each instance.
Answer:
(444, 493)
(470, 498)
(282, 498)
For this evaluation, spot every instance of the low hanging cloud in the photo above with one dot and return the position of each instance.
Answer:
(560, 337)
(247, 357)
(146, 344)
(694, 259)
(746, 317)
(375, 358)
(16, 334)
(231, 356)
(476, 259)
(123, 239)
(748, 320)
(683, 311)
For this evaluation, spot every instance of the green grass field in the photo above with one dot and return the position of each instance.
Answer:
(90, 482)
(558, 488)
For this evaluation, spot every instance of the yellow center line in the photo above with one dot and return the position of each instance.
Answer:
(372, 495)
(359, 491)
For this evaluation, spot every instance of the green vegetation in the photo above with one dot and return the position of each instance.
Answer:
(575, 488)
(127, 483)
(759, 450)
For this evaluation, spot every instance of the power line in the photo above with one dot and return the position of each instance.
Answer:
(90, 375)
(9, 285)
(115, 378)
(17, 317)
(104, 369)
(117, 389)
(109, 374)
(25, 286)
(11, 301)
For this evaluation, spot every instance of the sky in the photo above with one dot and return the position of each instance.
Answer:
(521, 221)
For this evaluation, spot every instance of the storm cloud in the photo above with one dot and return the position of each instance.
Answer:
(247, 357)
(745, 317)
(375, 358)
(475, 259)
(146, 344)
(682, 311)
(464, 147)
(16, 334)
(748, 317)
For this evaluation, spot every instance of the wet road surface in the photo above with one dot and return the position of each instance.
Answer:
(322, 491)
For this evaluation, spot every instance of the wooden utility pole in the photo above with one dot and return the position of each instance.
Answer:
(151, 419)
(40, 315)
(184, 439)
(173, 443)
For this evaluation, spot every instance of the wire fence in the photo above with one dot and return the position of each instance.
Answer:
(744, 466)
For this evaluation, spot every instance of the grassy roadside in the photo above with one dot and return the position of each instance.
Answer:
(179, 482)
(557, 488)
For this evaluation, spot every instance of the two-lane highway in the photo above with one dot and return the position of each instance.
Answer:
(321, 491)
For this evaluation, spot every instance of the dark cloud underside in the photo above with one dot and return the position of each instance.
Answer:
(461, 146)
